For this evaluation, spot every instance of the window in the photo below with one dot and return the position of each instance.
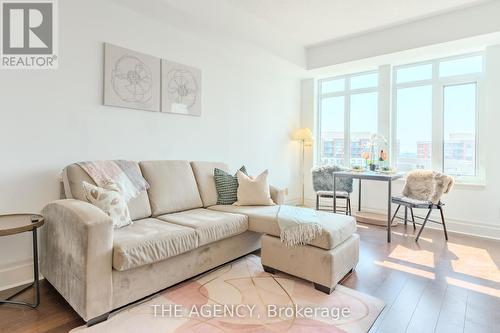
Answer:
(461, 66)
(431, 118)
(460, 129)
(435, 110)
(348, 116)
(414, 73)
(413, 128)
(363, 112)
(364, 81)
(332, 130)
(329, 86)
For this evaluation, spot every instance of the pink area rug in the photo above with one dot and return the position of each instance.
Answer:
(241, 297)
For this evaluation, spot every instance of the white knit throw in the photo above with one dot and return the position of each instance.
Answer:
(298, 225)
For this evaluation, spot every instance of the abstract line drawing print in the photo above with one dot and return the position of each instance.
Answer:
(132, 80)
(181, 89)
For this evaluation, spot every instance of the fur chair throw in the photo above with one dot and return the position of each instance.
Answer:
(323, 179)
(427, 185)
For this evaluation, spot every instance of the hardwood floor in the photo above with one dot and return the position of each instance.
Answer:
(432, 286)
(52, 315)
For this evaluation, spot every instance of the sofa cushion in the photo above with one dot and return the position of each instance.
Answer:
(74, 176)
(110, 200)
(150, 240)
(172, 186)
(260, 218)
(253, 191)
(210, 225)
(227, 186)
(336, 227)
(204, 174)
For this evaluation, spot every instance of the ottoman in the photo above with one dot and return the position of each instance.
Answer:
(325, 261)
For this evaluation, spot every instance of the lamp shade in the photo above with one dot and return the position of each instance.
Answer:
(302, 134)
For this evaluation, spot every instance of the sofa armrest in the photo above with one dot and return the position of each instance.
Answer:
(278, 195)
(77, 253)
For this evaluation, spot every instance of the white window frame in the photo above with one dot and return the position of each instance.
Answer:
(346, 93)
(438, 84)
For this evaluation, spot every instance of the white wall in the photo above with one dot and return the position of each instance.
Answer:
(469, 209)
(48, 119)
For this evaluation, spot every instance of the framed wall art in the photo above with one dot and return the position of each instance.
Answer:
(181, 89)
(131, 79)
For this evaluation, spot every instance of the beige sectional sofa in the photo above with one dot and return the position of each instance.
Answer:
(179, 231)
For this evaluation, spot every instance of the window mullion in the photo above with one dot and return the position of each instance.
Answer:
(384, 104)
(347, 129)
(437, 159)
(394, 122)
(480, 151)
(319, 131)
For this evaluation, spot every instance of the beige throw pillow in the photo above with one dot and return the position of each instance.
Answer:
(253, 191)
(110, 200)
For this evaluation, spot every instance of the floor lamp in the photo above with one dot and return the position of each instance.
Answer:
(304, 135)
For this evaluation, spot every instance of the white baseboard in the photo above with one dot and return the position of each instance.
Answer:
(469, 228)
(477, 229)
(16, 274)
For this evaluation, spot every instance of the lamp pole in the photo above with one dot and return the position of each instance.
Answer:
(302, 135)
(303, 173)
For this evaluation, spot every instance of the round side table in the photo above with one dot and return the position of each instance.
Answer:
(12, 224)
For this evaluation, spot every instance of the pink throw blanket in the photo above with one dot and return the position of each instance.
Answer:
(124, 174)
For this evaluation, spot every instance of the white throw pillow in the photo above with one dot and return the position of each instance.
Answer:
(253, 191)
(110, 200)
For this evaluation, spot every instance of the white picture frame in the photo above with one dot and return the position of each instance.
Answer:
(131, 79)
(181, 89)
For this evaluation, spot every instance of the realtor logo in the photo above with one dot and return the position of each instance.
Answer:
(28, 34)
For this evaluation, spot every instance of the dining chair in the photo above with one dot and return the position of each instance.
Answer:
(424, 189)
(323, 186)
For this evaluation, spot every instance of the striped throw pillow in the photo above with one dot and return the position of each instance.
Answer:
(227, 186)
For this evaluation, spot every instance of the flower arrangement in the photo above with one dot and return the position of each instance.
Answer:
(376, 141)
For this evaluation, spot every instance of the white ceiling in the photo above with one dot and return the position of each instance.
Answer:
(310, 22)
(287, 27)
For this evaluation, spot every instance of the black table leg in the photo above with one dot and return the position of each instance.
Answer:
(359, 196)
(389, 198)
(36, 282)
(35, 268)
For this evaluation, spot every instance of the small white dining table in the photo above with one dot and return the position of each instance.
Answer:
(369, 175)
